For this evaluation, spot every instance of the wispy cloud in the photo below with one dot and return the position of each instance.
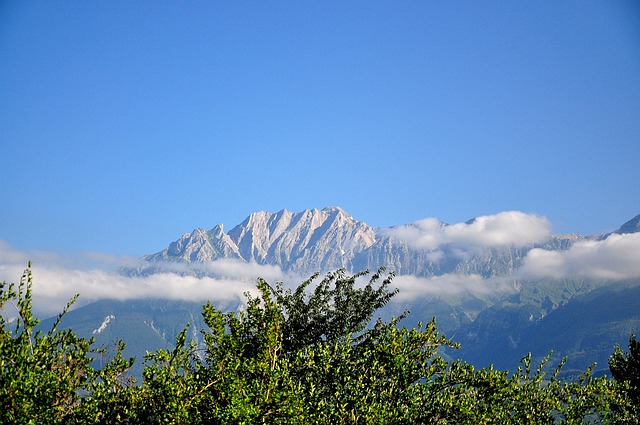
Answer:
(225, 268)
(509, 228)
(58, 277)
(413, 287)
(615, 258)
(52, 286)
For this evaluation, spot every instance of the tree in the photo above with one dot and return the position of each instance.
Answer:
(40, 373)
(48, 377)
(625, 369)
(294, 356)
(315, 356)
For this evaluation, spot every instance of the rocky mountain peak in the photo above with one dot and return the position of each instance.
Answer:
(307, 239)
(217, 231)
(631, 226)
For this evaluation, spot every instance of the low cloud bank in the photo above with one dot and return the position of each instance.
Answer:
(58, 277)
(509, 228)
(615, 258)
(413, 287)
(224, 268)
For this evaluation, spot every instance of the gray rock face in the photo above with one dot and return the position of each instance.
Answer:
(198, 246)
(309, 240)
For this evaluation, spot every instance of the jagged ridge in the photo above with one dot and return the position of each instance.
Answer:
(328, 239)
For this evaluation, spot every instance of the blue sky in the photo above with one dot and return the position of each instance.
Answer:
(125, 124)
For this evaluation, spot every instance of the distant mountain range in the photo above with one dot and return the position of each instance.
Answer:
(580, 317)
(329, 239)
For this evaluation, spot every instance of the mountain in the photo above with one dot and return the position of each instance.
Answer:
(329, 239)
(631, 226)
(585, 329)
(476, 289)
(310, 240)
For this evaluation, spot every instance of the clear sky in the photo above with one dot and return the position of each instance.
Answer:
(125, 124)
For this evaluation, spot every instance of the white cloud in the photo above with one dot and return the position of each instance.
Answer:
(54, 286)
(427, 233)
(57, 278)
(503, 229)
(413, 287)
(509, 228)
(614, 258)
(230, 268)
(226, 268)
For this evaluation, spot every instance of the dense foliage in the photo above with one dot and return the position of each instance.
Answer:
(313, 355)
(40, 374)
(625, 368)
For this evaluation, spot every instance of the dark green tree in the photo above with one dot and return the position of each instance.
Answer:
(40, 373)
(47, 377)
(315, 356)
(625, 369)
(246, 372)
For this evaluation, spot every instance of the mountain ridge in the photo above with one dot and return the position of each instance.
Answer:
(330, 238)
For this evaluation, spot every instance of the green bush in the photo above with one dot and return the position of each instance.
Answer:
(625, 368)
(41, 374)
(313, 355)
